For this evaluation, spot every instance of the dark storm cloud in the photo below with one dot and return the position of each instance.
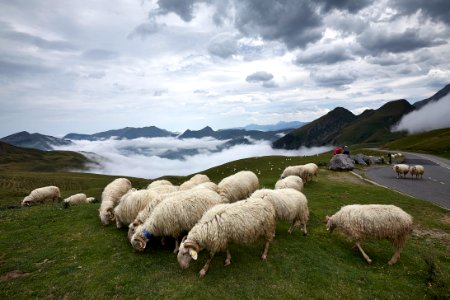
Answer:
(260, 76)
(437, 10)
(99, 54)
(184, 9)
(352, 6)
(37, 41)
(295, 23)
(334, 79)
(378, 41)
(328, 56)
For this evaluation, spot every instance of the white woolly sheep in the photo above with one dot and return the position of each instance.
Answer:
(242, 222)
(291, 181)
(290, 206)
(297, 170)
(164, 189)
(360, 222)
(78, 199)
(131, 204)
(110, 198)
(417, 171)
(238, 186)
(161, 182)
(311, 170)
(41, 195)
(173, 216)
(401, 169)
(195, 180)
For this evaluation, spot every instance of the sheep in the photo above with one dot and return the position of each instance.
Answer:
(360, 222)
(238, 186)
(241, 222)
(417, 171)
(290, 181)
(311, 170)
(195, 180)
(290, 206)
(164, 189)
(401, 169)
(110, 198)
(131, 204)
(176, 214)
(297, 170)
(208, 185)
(40, 195)
(78, 199)
(161, 182)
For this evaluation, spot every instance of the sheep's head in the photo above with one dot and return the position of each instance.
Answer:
(330, 224)
(132, 229)
(26, 201)
(188, 251)
(106, 216)
(140, 238)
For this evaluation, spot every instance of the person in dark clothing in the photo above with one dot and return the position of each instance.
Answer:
(346, 150)
(390, 158)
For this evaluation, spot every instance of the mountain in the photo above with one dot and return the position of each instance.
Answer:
(374, 126)
(124, 133)
(320, 132)
(34, 140)
(14, 158)
(274, 127)
(441, 93)
(233, 134)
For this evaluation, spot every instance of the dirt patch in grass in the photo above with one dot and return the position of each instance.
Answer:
(13, 275)
(345, 177)
(432, 233)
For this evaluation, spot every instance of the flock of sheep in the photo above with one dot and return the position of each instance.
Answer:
(209, 216)
(403, 169)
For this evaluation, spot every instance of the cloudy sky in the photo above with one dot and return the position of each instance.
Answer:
(90, 66)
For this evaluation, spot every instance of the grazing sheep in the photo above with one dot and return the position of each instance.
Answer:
(290, 181)
(290, 206)
(238, 186)
(164, 189)
(401, 169)
(360, 222)
(417, 171)
(78, 199)
(298, 170)
(131, 204)
(173, 216)
(110, 198)
(40, 195)
(208, 185)
(242, 222)
(161, 182)
(195, 180)
(311, 170)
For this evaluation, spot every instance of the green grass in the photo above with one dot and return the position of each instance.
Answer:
(68, 253)
(435, 142)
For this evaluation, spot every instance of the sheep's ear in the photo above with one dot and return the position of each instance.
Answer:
(326, 219)
(193, 254)
(184, 238)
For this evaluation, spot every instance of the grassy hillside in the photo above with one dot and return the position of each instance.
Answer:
(26, 159)
(50, 252)
(435, 142)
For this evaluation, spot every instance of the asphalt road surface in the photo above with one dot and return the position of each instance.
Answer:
(434, 187)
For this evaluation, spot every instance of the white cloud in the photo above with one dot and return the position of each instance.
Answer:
(116, 157)
(432, 116)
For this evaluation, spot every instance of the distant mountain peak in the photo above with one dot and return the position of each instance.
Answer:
(440, 94)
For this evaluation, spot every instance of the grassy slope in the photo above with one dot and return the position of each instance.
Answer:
(435, 142)
(68, 253)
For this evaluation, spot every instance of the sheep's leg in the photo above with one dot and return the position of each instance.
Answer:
(305, 232)
(228, 260)
(292, 227)
(118, 223)
(205, 268)
(398, 247)
(177, 247)
(366, 257)
(266, 249)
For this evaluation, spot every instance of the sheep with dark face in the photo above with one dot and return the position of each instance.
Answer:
(417, 171)
(241, 222)
(361, 222)
(174, 215)
(401, 169)
(110, 198)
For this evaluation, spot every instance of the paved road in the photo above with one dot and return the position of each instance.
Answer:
(434, 187)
